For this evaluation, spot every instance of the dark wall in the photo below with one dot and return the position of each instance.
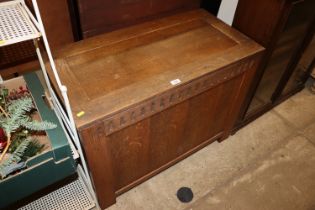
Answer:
(211, 5)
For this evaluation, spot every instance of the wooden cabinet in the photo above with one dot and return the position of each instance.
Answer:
(57, 22)
(284, 28)
(92, 18)
(154, 93)
(301, 71)
(100, 16)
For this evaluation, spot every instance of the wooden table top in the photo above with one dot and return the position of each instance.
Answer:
(111, 72)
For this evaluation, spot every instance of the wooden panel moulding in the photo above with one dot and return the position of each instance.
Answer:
(174, 96)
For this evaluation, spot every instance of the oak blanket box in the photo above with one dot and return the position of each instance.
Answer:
(152, 94)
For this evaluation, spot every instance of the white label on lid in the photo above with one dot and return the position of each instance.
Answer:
(175, 81)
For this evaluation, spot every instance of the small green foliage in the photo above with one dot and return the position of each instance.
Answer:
(16, 121)
(17, 138)
(3, 95)
(38, 126)
(18, 111)
(33, 149)
(15, 157)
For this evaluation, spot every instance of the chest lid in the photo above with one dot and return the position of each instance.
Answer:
(111, 72)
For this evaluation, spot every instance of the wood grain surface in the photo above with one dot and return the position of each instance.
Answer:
(137, 123)
(114, 71)
(101, 16)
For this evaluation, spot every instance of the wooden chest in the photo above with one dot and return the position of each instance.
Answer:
(155, 93)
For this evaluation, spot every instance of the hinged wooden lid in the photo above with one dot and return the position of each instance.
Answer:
(111, 72)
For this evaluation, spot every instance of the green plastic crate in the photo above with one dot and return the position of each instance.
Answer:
(44, 169)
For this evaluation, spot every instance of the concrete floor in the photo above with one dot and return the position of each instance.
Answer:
(269, 164)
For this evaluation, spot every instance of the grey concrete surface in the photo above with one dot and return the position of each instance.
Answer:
(282, 180)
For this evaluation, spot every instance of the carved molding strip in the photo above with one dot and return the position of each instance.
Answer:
(172, 97)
